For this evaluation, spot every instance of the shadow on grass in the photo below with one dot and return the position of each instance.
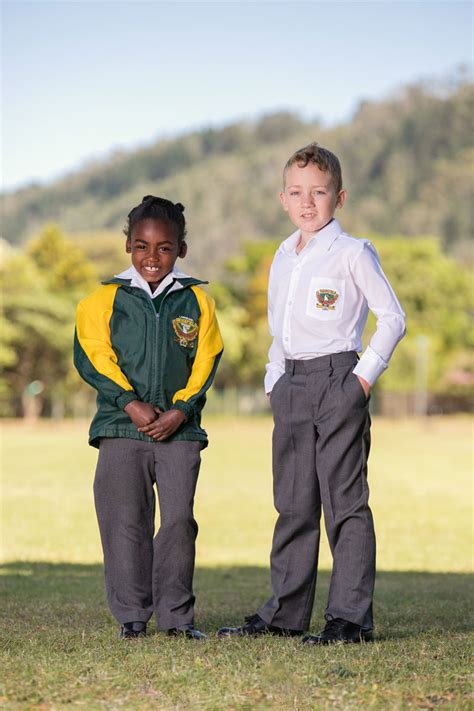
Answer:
(406, 603)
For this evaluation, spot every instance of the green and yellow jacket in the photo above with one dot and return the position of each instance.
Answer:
(161, 351)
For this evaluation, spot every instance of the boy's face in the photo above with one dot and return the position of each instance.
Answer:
(154, 247)
(310, 198)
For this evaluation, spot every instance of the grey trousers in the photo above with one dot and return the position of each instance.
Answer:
(144, 573)
(321, 443)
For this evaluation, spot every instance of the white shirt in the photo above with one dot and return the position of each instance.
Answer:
(319, 300)
(141, 283)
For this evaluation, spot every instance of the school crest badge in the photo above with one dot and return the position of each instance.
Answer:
(185, 330)
(326, 299)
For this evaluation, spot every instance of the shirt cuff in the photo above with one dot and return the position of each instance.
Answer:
(126, 397)
(274, 373)
(370, 366)
(184, 407)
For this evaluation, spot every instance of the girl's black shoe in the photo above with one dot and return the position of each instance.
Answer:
(132, 630)
(187, 631)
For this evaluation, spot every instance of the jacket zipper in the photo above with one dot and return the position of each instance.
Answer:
(157, 394)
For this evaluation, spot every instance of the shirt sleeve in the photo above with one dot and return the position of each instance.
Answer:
(208, 355)
(94, 357)
(276, 357)
(382, 301)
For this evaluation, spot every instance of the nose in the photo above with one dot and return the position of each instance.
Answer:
(308, 200)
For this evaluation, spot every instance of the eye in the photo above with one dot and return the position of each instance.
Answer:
(320, 192)
(139, 246)
(294, 193)
(165, 249)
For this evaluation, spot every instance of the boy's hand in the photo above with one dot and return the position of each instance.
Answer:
(141, 413)
(166, 424)
(365, 385)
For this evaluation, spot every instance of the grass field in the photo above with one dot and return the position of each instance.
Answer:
(59, 645)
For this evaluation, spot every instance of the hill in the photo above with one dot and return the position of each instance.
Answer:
(407, 163)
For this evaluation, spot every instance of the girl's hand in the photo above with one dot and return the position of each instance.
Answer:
(166, 424)
(141, 413)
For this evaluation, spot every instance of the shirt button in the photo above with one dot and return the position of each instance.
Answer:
(289, 303)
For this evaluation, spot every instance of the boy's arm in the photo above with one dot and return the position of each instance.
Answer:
(383, 303)
(94, 356)
(276, 358)
(208, 355)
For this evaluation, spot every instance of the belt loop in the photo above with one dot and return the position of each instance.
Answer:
(331, 369)
(292, 367)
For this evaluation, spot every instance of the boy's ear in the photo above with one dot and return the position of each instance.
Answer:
(283, 200)
(183, 250)
(128, 246)
(341, 199)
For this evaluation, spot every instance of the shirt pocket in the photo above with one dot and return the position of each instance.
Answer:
(325, 300)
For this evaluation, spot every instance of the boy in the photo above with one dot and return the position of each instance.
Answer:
(322, 283)
(149, 342)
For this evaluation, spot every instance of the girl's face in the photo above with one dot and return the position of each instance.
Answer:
(154, 247)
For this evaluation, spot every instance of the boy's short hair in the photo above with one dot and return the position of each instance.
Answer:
(316, 154)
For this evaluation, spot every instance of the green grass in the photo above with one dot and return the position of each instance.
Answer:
(59, 645)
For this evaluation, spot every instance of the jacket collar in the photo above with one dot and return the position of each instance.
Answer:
(138, 281)
(324, 237)
(130, 277)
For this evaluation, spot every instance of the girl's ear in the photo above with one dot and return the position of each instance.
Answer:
(183, 250)
(128, 245)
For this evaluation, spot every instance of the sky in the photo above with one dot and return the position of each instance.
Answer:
(84, 78)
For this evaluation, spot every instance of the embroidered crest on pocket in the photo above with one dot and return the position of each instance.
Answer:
(326, 298)
(186, 331)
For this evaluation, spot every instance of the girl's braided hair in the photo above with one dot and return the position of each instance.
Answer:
(157, 208)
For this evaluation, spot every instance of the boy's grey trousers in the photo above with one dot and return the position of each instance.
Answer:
(145, 573)
(321, 443)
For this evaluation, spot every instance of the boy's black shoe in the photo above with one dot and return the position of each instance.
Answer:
(132, 630)
(338, 630)
(187, 631)
(254, 625)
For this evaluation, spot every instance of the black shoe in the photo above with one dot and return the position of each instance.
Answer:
(338, 630)
(254, 625)
(132, 630)
(187, 631)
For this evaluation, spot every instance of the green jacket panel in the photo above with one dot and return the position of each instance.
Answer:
(127, 351)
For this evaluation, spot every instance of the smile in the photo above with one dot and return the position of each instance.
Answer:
(308, 215)
(152, 269)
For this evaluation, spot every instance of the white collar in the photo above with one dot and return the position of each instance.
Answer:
(324, 237)
(139, 282)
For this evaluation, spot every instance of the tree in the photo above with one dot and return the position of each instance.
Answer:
(62, 264)
(40, 289)
(436, 294)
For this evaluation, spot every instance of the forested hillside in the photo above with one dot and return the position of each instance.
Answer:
(408, 169)
(407, 164)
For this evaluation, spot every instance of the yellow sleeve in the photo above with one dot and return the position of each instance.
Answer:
(94, 357)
